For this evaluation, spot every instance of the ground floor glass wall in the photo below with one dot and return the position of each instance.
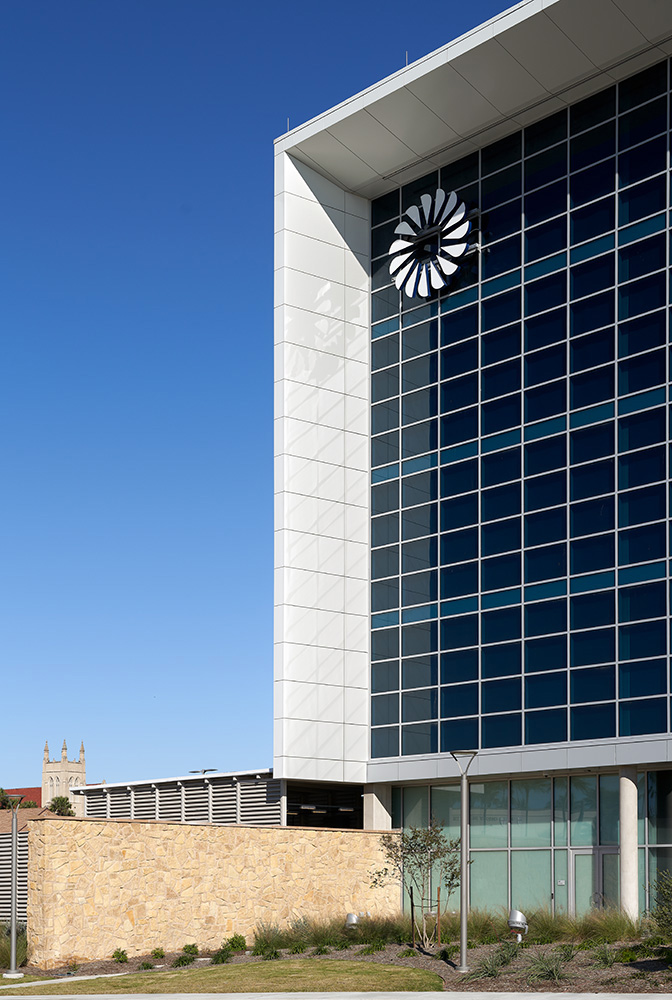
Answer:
(548, 842)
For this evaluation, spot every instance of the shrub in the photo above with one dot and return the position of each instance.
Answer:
(146, 965)
(321, 949)
(342, 945)
(158, 953)
(190, 949)
(373, 947)
(661, 912)
(447, 953)
(270, 954)
(183, 960)
(297, 948)
(409, 953)
(237, 942)
(221, 956)
(5, 947)
(604, 956)
(269, 936)
(508, 951)
(627, 955)
(488, 968)
(119, 955)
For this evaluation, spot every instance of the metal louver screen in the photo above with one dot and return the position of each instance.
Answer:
(144, 803)
(6, 876)
(260, 803)
(96, 804)
(196, 803)
(224, 803)
(120, 803)
(170, 802)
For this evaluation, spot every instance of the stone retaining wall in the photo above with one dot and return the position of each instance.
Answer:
(97, 885)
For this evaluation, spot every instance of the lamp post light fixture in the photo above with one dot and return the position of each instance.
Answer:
(13, 974)
(464, 760)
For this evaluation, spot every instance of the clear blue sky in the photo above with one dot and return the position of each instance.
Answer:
(136, 472)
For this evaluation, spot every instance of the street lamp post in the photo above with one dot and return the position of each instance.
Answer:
(13, 974)
(464, 760)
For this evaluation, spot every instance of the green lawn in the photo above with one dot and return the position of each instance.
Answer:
(288, 976)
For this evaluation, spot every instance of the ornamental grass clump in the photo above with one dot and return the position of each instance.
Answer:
(222, 955)
(546, 967)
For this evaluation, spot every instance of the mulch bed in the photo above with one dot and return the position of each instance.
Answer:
(581, 973)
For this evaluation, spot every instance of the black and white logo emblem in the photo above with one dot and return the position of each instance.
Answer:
(431, 237)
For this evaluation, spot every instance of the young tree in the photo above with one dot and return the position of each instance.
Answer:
(413, 857)
(5, 800)
(60, 805)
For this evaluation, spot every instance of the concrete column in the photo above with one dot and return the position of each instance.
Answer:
(377, 807)
(629, 866)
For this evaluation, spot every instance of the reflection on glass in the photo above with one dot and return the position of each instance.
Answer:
(531, 884)
(531, 813)
(488, 880)
(609, 812)
(489, 814)
(583, 817)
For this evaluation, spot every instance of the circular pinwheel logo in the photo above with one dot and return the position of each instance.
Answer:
(431, 237)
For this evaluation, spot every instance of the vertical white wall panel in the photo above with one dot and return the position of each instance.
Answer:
(322, 477)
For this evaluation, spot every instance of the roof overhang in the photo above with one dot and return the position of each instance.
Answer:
(263, 773)
(528, 62)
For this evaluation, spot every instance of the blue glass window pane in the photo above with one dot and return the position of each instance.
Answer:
(641, 372)
(546, 167)
(641, 200)
(545, 204)
(549, 653)
(500, 626)
(418, 639)
(642, 87)
(640, 334)
(458, 393)
(385, 676)
(459, 580)
(418, 439)
(592, 110)
(592, 146)
(592, 722)
(586, 352)
(589, 518)
(643, 161)
(502, 660)
(547, 526)
(500, 310)
(637, 642)
(458, 513)
(419, 588)
(459, 427)
(598, 646)
(384, 709)
(546, 689)
(419, 739)
(593, 220)
(592, 443)
(384, 352)
(546, 563)
(459, 735)
(590, 554)
(384, 304)
(385, 449)
(500, 345)
(460, 172)
(596, 684)
(384, 562)
(501, 414)
(501, 731)
(588, 185)
(420, 521)
(462, 699)
(500, 696)
(419, 372)
(420, 488)
(385, 595)
(641, 429)
(385, 644)
(460, 477)
(545, 491)
(420, 339)
(501, 379)
(503, 256)
(641, 258)
(459, 666)
(459, 546)
(636, 603)
(385, 416)
(592, 276)
(642, 296)
(457, 632)
(384, 384)
(419, 705)
(545, 401)
(638, 125)
(545, 329)
(500, 572)
(500, 467)
(460, 359)
(546, 239)
(641, 678)
(502, 186)
(589, 610)
(590, 314)
(459, 325)
(545, 617)
(385, 742)
(500, 537)
(591, 387)
(542, 456)
(385, 497)
(503, 501)
(385, 207)
(500, 222)
(545, 365)
(545, 293)
(642, 544)
(640, 506)
(385, 530)
(419, 405)
(418, 555)
(641, 467)
(591, 480)
(639, 717)
(546, 727)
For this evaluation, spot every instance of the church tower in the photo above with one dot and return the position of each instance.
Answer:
(60, 776)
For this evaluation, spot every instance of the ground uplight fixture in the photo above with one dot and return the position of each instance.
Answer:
(517, 924)
(351, 921)
(464, 759)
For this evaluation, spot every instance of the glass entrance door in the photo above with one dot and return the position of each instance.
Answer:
(594, 879)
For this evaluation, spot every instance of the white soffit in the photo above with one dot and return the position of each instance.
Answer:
(527, 62)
